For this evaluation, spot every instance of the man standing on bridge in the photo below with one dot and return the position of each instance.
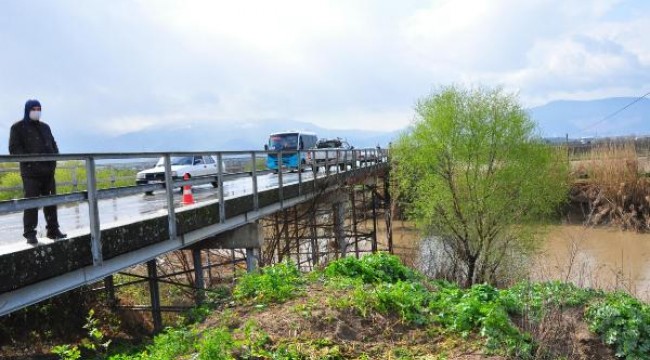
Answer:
(32, 136)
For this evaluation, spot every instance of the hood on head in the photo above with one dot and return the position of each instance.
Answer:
(28, 106)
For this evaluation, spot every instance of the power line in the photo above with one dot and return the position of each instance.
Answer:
(614, 113)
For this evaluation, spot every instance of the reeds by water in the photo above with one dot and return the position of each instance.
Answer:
(611, 179)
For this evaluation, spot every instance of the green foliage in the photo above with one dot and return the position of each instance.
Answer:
(66, 174)
(622, 322)
(533, 298)
(439, 307)
(11, 180)
(95, 342)
(480, 309)
(276, 283)
(168, 345)
(407, 299)
(472, 172)
(216, 344)
(67, 352)
(374, 268)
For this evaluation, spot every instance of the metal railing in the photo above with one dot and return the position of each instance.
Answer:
(92, 195)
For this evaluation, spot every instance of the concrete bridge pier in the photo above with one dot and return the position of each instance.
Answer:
(249, 237)
(252, 259)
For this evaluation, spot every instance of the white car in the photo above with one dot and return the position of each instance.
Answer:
(192, 165)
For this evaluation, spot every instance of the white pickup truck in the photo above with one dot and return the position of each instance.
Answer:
(331, 152)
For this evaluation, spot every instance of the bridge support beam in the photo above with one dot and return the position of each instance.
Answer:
(199, 283)
(109, 286)
(374, 218)
(388, 210)
(154, 291)
(339, 227)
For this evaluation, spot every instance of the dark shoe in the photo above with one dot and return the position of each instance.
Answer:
(56, 235)
(31, 239)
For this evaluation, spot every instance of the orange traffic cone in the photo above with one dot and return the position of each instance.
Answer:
(188, 198)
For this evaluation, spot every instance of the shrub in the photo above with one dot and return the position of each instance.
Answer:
(215, 345)
(374, 268)
(480, 309)
(623, 322)
(276, 283)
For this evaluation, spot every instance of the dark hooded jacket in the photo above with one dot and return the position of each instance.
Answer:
(33, 137)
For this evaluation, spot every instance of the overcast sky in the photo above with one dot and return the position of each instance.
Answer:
(120, 66)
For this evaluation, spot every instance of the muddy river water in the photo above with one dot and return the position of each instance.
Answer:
(605, 258)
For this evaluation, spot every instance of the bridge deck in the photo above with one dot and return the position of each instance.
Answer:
(34, 274)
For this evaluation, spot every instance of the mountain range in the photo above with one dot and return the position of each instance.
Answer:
(223, 136)
(578, 119)
(593, 118)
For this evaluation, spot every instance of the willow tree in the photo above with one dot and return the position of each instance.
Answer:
(476, 176)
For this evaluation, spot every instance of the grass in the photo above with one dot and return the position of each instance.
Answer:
(378, 289)
(66, 174)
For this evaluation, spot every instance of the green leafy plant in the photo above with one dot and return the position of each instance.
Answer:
(276, 283)
(407, 299)
(216, 344)
(95, 341)
(480, 309)
(622, 322)
(67, 352)
(373, 268)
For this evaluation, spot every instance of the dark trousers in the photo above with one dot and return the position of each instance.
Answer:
(34, 187)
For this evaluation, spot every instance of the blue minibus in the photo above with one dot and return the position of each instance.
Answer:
(289, 143)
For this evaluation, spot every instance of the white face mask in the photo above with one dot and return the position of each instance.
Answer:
(35, 115)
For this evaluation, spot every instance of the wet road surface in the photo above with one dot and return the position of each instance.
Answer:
(73, 218)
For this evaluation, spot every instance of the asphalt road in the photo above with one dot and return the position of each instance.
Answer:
(73, 218)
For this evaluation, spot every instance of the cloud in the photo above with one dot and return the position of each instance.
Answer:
(126, 66)
(513, 43)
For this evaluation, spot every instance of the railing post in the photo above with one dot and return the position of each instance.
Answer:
(256, 200)
(222, 205)
(75, 182)
(93, 213)
(169, 188)
(280, 185)
(336, 162)
(299, 173)
(327, 162)
(112, 176)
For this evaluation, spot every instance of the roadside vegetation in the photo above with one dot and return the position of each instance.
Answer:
(377, 308)
(70, 177)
